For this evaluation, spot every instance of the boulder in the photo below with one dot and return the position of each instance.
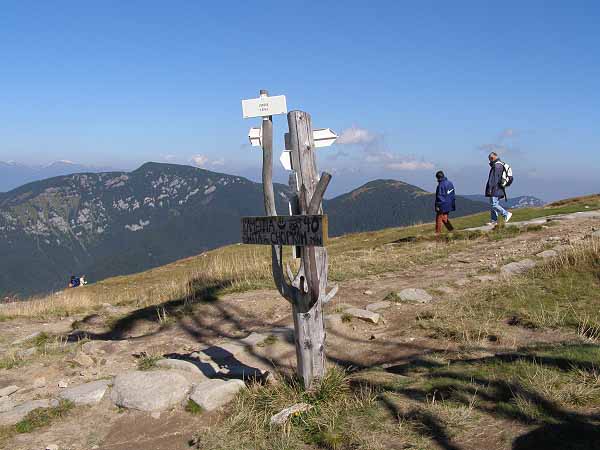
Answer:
(18, 413)
(518, 267)
(154, 390)
(86, 394)
(213, 394)
(282, 417)
(363, 314)
(27, 338)
(547, 254)
(414, 295)
(83, 360)
(596, 234)
(191, 371)
(377, 306)
(8, 390)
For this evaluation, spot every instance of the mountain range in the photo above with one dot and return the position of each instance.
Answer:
(13, 174)
(522, 201)
(111, 223)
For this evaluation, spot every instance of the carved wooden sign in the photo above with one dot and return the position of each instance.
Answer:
(302, 231)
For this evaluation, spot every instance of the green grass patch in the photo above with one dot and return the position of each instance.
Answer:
(148, 362)
(42, 417)
(193, 408)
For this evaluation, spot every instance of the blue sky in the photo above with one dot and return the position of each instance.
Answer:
(410, 86)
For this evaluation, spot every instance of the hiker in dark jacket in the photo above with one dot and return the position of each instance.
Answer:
(495, 191)
(445, 202)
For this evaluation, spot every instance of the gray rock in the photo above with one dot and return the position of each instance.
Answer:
(254, 339)
(8, 390)
(367, 292)
(83, 360)
(190, 371)
(86, 394)
(27, 338)
(213, 394)
(63, 384)
(378, 306)
(486, 278)
(363, 314)
(414, 295)
(39, 382)
(547, 254)
(155, 390)
(282, 417)
(52, 447)
(27, 353)
(178, 364)
(6, 404)
(596, 234)
(18, 413)
(518, 267)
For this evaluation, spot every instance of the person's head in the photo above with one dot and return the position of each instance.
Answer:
(493, 156)
(440, 175)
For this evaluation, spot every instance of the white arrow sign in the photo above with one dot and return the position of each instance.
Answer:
(286, 159)
(324, 137)
(264, 106)
(255, 136)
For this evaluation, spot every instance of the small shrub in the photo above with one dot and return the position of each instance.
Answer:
(148, 362)
(269, 340)
(346, 318)
(193, 408)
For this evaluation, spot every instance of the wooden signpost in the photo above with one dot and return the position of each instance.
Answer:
(306, 229)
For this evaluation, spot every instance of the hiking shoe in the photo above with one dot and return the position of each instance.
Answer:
(508, 216)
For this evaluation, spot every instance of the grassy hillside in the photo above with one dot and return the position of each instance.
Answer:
(237, 268)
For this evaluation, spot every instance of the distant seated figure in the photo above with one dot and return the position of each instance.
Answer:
(74, 282)
(82, 280)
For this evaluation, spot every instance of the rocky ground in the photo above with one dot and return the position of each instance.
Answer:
(127, 376)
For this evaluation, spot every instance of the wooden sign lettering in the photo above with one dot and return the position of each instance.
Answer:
(301, 231)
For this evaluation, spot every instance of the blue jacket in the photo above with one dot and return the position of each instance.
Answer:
(492, 188)
(445, 198)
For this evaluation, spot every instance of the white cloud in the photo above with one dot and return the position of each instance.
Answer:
(218, 162)
(356, 135)
(410, 165)
(169, 157)
(394, 161)
(199, 160)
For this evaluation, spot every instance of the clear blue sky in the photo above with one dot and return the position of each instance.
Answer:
(412, 86)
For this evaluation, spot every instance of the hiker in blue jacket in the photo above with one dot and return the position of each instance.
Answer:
(445, 202)
(495, 191)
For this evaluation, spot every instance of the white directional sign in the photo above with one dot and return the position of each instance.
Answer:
(264, 106)
(286, 159)
(324, 137)
(255, 136)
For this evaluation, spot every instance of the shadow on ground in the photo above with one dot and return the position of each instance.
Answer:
(547, 426)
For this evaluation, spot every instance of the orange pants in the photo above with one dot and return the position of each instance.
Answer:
(442, 218)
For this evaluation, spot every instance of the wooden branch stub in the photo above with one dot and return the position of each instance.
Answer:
(317, 198)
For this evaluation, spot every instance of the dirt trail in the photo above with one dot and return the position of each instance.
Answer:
(393, 341)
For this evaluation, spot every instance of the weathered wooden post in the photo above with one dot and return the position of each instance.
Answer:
(307, 228)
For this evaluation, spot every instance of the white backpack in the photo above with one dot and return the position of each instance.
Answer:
(507, 175)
